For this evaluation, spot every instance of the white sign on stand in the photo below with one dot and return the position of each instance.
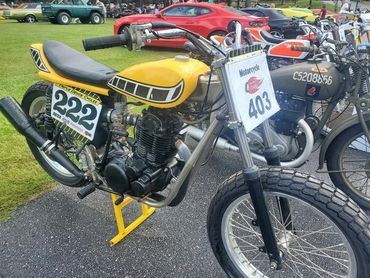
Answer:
(252, 90)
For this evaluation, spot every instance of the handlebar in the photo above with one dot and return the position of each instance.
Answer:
(107, 42)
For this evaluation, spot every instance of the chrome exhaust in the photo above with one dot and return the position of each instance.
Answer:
(23, 124)
(223, 144)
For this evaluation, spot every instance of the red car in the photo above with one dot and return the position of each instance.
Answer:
(202, 18)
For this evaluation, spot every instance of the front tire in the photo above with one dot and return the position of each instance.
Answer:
(330, 233)
(350, 151)
(64, 18)
(34, 105)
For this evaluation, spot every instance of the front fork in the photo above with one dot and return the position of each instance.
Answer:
(253, 178)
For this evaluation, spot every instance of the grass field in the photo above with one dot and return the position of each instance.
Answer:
(21, 179)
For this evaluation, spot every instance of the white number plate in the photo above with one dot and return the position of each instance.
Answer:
(251, 88)
(78, 111)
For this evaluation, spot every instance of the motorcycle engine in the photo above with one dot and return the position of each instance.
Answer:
(144, 167)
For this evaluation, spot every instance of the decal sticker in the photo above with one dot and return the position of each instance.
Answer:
(312, 90)
(309, 77)
(319, 69)
(145, 91)
(76, 111)
(253, 84)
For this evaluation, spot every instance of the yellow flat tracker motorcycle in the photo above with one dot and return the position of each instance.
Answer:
(261, 223)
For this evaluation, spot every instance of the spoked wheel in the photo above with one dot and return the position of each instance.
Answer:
(30, 18)
(350, 153)
(319, 240)
(34, 104)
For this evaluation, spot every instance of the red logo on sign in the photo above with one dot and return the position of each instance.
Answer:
(253, 84)
(311, 91)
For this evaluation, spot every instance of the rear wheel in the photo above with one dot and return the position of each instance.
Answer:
(96, 18)
(30, 18)
(327, 235)
(34, 104)
(350, 152)
(277, 33)
(64, 18)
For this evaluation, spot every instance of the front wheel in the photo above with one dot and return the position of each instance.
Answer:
(34, 105)
(64, 18)
(30, 18)
(327, 235)
(348, 157)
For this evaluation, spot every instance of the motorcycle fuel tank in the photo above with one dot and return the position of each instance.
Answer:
(318, 80)
(164, 84)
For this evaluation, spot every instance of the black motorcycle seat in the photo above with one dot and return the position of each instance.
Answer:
(74, 65)
(270, 38)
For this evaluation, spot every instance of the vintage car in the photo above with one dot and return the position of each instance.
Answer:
(304, 13)
(202, 18)
(281, 26)
(30, 12)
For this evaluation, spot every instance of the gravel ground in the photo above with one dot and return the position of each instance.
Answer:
(59, 235)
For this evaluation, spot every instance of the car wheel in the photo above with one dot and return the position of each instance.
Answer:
(64, 18)
(30, 18)
(277, 33)
(96, 18)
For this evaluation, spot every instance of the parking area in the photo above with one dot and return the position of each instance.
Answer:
(59, 235)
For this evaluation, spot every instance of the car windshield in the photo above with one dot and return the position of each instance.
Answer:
(30, 6)
(235, 11)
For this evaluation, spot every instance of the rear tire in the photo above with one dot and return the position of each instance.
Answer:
(354, 184)
(30, 18)
(96, 18)
(64, 18)
(33, 104)
(310, 249)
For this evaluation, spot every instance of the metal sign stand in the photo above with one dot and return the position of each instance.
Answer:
(123, 230)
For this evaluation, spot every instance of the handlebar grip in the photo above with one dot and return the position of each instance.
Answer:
(105, 42)
(309, 49)
(160, 24)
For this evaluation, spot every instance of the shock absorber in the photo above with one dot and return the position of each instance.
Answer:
(49, 123)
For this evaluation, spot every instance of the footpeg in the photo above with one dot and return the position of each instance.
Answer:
(87, 190)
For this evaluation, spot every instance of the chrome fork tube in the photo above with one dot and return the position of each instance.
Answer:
(252, 175)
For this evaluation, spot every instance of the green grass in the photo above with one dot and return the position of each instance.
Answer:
(21, 178)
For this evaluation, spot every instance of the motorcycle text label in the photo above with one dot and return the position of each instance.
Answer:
(251, 87)
(76, 110)
(310, 77)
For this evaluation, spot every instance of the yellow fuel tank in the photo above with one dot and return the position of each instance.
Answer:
(164, 84)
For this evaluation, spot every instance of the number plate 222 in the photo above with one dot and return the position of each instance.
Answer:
(77, 110)
(251, 89)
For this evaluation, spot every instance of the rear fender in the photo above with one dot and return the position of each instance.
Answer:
(354, 120)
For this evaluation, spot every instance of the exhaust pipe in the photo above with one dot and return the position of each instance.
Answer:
(23, 124)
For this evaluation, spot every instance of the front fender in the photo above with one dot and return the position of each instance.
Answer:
(335, 132)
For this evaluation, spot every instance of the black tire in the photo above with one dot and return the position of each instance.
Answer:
(334, 159)
(30, 18)
(96, 18)
(64, 18)
(217, 33)
(84, 20)
(34, 99)
(331, 204)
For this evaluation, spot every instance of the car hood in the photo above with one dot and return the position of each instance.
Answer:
(140, 17)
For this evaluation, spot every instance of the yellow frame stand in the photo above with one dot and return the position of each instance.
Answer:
(123, 231)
